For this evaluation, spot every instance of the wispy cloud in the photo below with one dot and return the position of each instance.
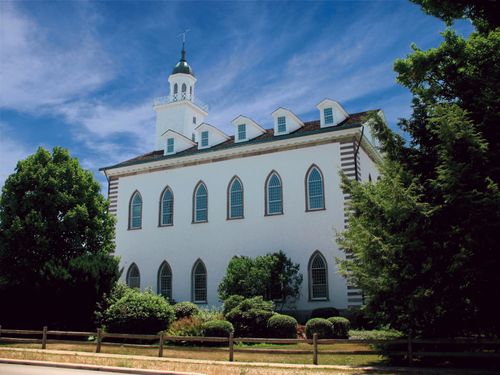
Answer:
(36, 72)
(11, 150)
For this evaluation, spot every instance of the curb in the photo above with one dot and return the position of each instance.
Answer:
(78, 366)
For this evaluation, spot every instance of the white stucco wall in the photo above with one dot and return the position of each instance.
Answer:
(297, 232)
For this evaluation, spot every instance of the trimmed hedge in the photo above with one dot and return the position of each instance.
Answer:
(322, 327)
(217, 328)
(282, 326)
(324, 312)
(341, 327)
(137, 312)
(185, 310)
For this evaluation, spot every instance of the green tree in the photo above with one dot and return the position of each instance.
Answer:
(56, 243)
(484, 13)
(272, 276)
(424, 236)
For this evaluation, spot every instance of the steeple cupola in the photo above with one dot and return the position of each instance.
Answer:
(182, 66)
(179, 111)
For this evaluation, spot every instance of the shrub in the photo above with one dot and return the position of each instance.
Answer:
(138, 312)
(185, 309)
(282, 326)
(217, 328)
(230, 303)
(321, 326)
(359, 318)
(187, 326)
(206, 315)
(250, 317)
(340, 327)
(324, 312)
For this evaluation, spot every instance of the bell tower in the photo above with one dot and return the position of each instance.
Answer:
(179, 111)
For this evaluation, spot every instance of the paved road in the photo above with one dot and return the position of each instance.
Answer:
(8, 369)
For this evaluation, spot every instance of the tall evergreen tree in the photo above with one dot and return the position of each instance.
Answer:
(424, 236)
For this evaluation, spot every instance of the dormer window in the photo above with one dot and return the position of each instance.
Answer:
(281, 124)
(204, 138)
(328, 112)
(170, 145)
(242, 132)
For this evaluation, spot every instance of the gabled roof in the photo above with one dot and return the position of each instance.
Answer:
(354, 120)
(212, 128)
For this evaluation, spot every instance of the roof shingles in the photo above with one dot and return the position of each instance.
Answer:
(311, 127)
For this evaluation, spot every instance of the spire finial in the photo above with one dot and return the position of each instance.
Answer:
(183, 51)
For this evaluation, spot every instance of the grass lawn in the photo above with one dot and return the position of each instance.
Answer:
(243, 353)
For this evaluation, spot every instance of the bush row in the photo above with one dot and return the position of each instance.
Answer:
(331, 328)
(131, 311)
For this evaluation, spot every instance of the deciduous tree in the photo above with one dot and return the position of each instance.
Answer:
(56, 243)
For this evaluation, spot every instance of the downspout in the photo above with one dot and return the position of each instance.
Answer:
(356, 154)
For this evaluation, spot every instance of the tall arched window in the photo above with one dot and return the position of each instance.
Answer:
(315, 196)
(274, 194)
(167, 207)
(133, 276)
(318, 277)
(135, 211)
(176, 89)
(165, 281)
(235, 199)
(200, 203)
(199, 282)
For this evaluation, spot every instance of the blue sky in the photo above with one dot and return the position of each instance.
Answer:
(83, 75)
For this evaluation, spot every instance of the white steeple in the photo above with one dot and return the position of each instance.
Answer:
(179, 111)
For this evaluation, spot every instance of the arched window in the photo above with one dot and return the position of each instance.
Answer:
(235, 199)
(165, 281)
(200, 203)
(167, 207)
(176, 89)
(190, 90)
(184, 87)
(318, 277)
(133, 276)
(274, 194)
(135, 211)
(199, 282)
(315, 196)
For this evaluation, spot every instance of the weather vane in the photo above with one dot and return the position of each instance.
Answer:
(183, 35)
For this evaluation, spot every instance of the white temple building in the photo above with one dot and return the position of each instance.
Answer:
(202, 196)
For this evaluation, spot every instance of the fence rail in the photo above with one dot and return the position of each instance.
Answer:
(410, 353)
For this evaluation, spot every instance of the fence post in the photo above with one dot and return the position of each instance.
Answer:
(231, 347)
(44, 337)
(410, 351)
(315, 348)
(162, 338)
(99, 339)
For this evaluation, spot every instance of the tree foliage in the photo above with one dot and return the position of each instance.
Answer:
(424, 236)
(56, 243)
(272, 276)
(484, 13)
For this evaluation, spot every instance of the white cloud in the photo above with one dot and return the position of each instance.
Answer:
(11, 151)
(35, 72)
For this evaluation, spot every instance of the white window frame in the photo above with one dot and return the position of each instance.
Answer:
(204, 138)
(193, 283)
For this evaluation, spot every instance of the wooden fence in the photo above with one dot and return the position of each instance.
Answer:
(409, 344)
